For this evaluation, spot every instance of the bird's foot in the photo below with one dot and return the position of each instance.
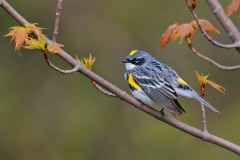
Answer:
(162, 112)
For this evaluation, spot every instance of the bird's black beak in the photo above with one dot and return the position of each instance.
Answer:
(125, 61)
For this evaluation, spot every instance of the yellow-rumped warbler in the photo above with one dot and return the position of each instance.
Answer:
(151, 81)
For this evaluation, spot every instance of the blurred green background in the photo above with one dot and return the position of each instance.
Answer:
(45, 115)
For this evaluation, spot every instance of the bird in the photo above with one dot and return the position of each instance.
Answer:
(153, 82)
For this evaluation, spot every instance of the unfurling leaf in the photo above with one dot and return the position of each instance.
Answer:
(232, 8)
(54, 47)
(203, 81)
(207, 26)
(39, 43)
(183, 31)
(19, 34)
(167, 35)
(201, 78)
(194, 4)
(87, 62)
(216, 86)
(32, 27)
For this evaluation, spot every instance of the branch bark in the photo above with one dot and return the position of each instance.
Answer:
(75, 69)
(55, 32)
(234, 32)
(225, 68)
(129, 99)
(226, 23)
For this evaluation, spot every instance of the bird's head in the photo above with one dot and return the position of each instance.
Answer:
(136, 58)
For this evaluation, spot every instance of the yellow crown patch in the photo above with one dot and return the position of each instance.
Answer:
(133, 52)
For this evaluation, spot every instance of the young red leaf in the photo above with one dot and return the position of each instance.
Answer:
(232, 8)
(19, 34)
(167, 35)
(54, 47)
(207, 26)
(183, 31)
(203, 81)
(32, 27)
(216, 86)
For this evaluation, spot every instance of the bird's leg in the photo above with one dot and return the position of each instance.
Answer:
(162, 112)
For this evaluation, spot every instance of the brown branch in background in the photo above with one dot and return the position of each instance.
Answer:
(225, 68)
(129, 99)
(55, 32)
(226, 23)
(75, 69)
(227, 46)
(102, 90)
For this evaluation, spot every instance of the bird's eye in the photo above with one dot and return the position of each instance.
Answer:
(136, 60)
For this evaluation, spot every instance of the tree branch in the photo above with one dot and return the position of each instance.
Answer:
(102, 90)
(204, 118)
(226, 23)
(75, 69)
(55, 32)
(225, 68)
(126, 97)
(227, 46)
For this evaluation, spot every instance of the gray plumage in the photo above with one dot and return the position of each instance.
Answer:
(160, 83)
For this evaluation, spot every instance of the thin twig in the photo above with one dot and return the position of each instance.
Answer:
(75, 69)
(225, 68)
(227, 46)
(204, 119)
(134, 102)
(55, 32)
(102, 90)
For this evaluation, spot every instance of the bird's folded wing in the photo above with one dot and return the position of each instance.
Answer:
(154, 85)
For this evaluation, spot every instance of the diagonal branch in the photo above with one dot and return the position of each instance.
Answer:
(226, 23)
(129, 99)
(227, 46)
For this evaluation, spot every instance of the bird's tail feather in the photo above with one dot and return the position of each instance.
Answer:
(197, 97)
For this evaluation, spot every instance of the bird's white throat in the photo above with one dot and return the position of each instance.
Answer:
(129, 66)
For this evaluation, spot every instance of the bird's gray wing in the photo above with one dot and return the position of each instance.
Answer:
(152, 82)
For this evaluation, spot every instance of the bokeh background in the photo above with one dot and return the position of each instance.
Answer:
(45, 115)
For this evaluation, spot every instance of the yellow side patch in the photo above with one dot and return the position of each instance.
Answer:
(181, 81)
(133, 52)
(132, 82)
